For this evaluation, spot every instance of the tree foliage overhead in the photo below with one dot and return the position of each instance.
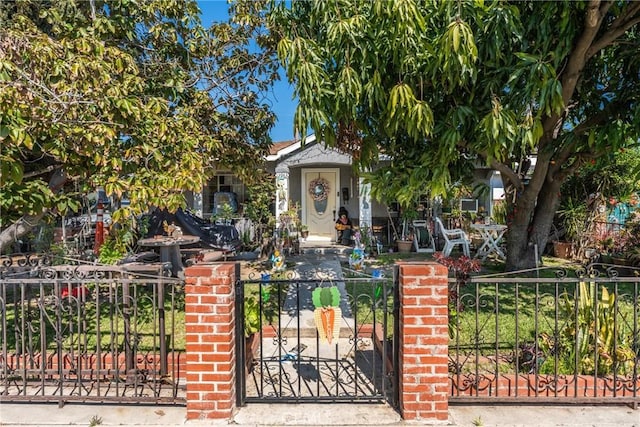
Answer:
(441, 86)
(134, 96)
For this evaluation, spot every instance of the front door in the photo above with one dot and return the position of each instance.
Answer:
(320, 194)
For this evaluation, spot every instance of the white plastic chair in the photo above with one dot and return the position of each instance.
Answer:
(453, 237)
(422, 238)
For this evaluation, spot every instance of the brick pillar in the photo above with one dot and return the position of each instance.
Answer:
(210, 339)
(424, 339)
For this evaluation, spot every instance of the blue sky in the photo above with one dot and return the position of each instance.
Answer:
(281, 96)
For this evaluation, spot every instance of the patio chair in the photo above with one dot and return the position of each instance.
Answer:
(422, 238)
(453, 237)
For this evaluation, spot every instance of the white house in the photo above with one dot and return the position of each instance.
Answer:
(321, 180)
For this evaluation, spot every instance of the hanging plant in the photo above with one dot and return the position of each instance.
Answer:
(319, 189)
(327, 301)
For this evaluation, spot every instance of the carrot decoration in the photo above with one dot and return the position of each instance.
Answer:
(327, 301)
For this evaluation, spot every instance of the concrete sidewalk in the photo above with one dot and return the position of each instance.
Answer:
(44, 415)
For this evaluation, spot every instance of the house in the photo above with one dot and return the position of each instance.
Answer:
(322, 180)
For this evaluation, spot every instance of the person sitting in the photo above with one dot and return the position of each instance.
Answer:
(344, 227)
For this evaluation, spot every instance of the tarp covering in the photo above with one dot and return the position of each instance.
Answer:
(214, 236)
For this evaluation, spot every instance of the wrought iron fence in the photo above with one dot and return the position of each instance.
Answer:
(91, 333)
(568, 337)
(292, 355)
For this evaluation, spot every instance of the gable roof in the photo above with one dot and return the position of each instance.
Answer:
(279, 149)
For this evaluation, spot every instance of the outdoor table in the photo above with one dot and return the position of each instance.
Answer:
(491, 235)
(170, 249)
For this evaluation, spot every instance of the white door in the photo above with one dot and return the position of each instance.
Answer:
(320, 195)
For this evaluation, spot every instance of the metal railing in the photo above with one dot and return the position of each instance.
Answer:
(569, 338)
(91, 333)
(288, 358)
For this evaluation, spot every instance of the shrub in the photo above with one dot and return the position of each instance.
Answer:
(591, 339)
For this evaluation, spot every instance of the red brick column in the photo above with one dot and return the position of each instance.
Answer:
(210, 338)
(424, 338)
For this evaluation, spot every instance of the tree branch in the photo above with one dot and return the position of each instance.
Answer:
(508, 173)
(621, 25)
(578, 57)
(41, 171)
(595, 120)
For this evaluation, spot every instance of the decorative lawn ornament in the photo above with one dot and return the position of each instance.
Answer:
(277, 260)
(327, 314)
(356, 259)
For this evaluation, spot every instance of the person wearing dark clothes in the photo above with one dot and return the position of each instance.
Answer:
(344, 227)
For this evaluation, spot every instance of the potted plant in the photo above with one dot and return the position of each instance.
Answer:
(255, 318)
(251, 328)
(405, 241)
(304, 231)
(573, 217)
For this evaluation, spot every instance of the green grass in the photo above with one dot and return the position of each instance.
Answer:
(78, 324)
(499, 318)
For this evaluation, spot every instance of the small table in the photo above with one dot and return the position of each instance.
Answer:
(170, 249)
(491, 235)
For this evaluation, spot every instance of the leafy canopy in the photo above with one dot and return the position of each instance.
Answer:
(441, 86)
(137, 97)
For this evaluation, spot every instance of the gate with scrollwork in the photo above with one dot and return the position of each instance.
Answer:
(87, 333)
(556, 337)
(291, 354)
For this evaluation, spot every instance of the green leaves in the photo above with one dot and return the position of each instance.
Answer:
(136, 98)
(326, 297)
(499, 128)
(457, 54)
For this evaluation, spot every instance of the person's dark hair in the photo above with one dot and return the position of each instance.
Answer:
(343, 211)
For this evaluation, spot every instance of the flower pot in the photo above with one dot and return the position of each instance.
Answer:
(304, 234)
(251, 348)
(404, 246)
(563, 249)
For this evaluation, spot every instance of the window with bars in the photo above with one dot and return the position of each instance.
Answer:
(223, 182)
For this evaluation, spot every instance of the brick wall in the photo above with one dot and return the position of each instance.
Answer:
(210, 338)
(424, 338)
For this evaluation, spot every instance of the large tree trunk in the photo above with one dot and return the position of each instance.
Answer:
(26, 223)
(529, 231)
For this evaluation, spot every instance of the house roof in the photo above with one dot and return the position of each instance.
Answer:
(279, 149)
(277, 146)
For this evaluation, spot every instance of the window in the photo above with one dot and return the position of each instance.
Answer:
(469, 205)
(223, 182)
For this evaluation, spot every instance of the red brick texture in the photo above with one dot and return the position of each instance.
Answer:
(424, 382)
(210, 334)
(210, 338)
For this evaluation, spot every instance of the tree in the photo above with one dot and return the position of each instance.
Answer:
(440, 86)
(136, 97)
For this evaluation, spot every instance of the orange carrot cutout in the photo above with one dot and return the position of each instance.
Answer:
(327, 301)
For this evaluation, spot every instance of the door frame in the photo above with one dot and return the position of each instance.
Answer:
(303, 189)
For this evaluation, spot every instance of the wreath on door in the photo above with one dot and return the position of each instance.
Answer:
(319, 189)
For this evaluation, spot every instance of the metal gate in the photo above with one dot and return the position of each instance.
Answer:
(88, 333)
(287, 357)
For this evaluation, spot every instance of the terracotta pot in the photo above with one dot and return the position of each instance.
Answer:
(563, 249)
(404, 246)
(251, 348)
